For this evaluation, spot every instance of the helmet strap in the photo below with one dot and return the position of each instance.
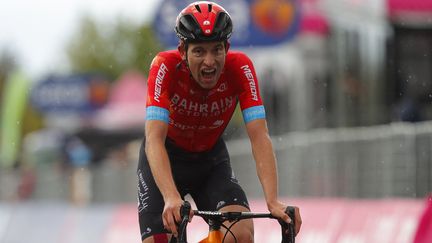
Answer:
(183, 47)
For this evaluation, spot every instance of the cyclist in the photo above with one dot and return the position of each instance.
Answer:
(192, 94)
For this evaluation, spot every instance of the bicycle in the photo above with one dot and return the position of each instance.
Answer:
(215, 221)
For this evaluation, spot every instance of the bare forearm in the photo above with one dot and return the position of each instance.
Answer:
(155, 133)
(265, 158)
(161, 169)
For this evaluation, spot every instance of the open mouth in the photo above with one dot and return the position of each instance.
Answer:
(208, 73)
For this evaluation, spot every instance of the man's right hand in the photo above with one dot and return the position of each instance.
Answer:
(171, 214)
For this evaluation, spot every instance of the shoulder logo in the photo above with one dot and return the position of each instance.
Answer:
(250, 77)
(159, 80)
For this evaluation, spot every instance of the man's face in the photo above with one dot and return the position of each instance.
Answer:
(206, 61)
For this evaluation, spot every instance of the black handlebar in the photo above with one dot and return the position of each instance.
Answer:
(184, 213)
(288, 230)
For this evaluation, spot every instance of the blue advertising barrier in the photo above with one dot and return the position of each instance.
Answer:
(76, 94)
(256, 22)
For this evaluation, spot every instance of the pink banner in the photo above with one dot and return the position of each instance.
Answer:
(313, 20)
(424, 229)
(338, 220)
(324, 221)
(397, 6)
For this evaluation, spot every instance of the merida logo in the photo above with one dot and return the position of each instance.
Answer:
(248, 73)
(159, 79)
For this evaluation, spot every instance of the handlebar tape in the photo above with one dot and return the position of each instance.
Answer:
(288, 230)
(184, 214)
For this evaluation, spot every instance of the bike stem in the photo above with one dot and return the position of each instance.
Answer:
(215, 235)
(214, 224)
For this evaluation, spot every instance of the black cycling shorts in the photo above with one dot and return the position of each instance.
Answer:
(206, 176)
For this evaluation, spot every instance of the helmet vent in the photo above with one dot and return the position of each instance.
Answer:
(203, 21)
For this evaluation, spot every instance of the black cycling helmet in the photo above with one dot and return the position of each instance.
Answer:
(203, 21)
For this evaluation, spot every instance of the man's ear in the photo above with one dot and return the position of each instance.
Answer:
(181, 47)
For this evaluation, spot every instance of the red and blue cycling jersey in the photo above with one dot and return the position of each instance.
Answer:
(197, 117)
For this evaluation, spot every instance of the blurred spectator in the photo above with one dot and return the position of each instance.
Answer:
(79, 157)
(27, 183)
(275, 92)
(78, 154)
(408, 110)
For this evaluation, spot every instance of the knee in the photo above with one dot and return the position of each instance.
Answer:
(245, 235)
(243, 232)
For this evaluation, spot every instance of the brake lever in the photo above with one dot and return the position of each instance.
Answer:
(288, 230)
(184, 214)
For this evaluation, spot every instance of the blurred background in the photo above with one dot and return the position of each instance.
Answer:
(347, 86)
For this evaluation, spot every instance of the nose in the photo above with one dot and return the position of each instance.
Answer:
(209, 60)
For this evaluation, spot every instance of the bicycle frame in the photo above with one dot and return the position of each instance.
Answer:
(215, 221)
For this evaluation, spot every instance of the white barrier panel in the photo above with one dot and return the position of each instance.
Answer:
(324, 221)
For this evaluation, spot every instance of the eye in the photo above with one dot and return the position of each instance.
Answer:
(219, 50)
(197, 52)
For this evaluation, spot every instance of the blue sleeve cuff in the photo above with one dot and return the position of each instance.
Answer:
(253, 113)
(157, 113)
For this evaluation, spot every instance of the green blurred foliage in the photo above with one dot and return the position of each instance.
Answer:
(7, 65)
(112, 48)
(30, 120)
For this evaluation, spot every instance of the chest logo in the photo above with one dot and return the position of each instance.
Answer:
(193, 108)
(222, 87)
